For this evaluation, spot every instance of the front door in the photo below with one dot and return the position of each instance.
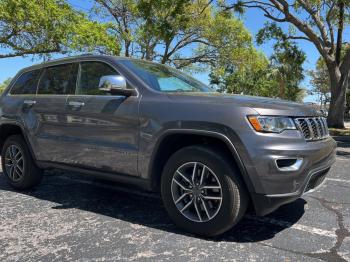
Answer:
(103, 129)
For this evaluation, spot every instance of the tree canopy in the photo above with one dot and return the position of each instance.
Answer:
(4, 84)
(320, 82)
(322, 23)
(43, 27)
(187, 34)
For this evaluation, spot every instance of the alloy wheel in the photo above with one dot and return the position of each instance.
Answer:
(14, 163)
(196, 192)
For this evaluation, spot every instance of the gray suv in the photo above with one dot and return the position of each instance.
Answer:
(210, 155)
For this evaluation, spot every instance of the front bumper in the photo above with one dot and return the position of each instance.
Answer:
(272, 187)
(265, 204)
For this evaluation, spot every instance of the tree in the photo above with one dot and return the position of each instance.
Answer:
(235, 65)
(124, 22)
(250, 72)
(321, 23)
(158, 30)
(4, 84)
(43, 27)
(286, 61)
(320, 82)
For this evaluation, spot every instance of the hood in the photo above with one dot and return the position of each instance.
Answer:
(262, 105)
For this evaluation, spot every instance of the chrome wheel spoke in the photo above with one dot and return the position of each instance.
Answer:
(184, 178)
(19, 174)
(202, 176)
(211, 187)
(180, 185)
(197, 210)
(212, 198)
(186, 206)
(205, 208)
(194, 172)
(19, 170)
(182, 197)
(18, 154)
(20, 159)
(13, 172)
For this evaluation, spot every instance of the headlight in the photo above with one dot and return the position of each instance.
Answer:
(271, 124)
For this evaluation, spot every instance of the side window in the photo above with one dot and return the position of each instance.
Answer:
(59, 80)
(26, 84)
(90, 75)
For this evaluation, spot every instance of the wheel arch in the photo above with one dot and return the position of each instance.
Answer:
(173, 140)
(9, 129)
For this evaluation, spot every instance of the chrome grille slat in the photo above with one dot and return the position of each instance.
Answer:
(320, 127)
(312, 128)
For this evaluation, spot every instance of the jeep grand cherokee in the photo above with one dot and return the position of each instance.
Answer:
(209, 154)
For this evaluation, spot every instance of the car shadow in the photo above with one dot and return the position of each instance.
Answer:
(138, 207)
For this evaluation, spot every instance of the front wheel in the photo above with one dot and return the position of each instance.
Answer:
(18, 165)
(202, 191)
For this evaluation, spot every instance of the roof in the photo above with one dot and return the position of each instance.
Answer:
(75, 59)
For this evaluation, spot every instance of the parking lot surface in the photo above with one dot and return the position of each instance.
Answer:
(70, 217)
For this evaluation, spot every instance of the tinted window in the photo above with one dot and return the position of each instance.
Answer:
(26, 83)
(90, 75)
(59, 80)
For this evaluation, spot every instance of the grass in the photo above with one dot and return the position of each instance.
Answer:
(339, 132)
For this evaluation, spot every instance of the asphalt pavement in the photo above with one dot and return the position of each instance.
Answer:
(70, 217)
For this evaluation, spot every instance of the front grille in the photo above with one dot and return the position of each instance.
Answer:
(316, 180)
(313, 128)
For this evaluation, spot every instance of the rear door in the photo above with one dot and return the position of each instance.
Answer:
(55, 84)
(17, 105)
(104, 128)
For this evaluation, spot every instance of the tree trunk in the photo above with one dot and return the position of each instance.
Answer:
(337, 104)
(282, 91)
(127, 47)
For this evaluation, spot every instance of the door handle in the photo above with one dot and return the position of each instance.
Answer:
(76, 104)
(29, 103)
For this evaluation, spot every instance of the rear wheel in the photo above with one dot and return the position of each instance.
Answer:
(202, 191)
(18, 165)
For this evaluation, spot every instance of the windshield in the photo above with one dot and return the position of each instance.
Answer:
(163, 78)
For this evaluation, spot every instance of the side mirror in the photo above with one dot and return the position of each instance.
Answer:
(115, 85)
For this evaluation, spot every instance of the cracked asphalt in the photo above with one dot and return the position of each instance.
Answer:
(71, 217)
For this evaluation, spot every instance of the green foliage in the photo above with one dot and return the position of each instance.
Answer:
(4, 84)
(320, 82)
(48, 26)
(286, 62)
(236, 66)
(157, 29)
(242, 69)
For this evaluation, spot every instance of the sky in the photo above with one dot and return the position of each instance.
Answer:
(253, 20)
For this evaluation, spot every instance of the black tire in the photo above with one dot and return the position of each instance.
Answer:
(234, 196)
(31, 175)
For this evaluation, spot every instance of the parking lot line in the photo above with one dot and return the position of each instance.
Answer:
(286, 224)
(338, 180)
